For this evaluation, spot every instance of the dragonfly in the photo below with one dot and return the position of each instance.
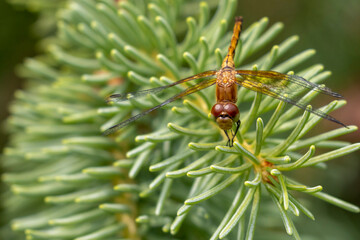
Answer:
(227, 80)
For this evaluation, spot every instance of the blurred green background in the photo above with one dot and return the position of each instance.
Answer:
(329, 26)
(16, 43)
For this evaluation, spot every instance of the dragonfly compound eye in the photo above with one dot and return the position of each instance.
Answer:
(217, 109)
(225, 114)
(232, 110)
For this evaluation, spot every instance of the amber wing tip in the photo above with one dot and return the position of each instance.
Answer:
(239, 19)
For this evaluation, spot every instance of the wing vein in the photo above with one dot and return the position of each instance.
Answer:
(119, 97)
(189, 90)
(280, 82)
(281, 96)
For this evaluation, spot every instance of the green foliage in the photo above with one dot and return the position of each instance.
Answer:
(46, 22)
(66, 181)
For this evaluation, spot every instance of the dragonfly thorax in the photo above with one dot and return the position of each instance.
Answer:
(225, 77)
(225, 114)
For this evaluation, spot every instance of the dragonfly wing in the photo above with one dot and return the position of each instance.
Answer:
(190, 90)
(279, 82)
(119, 97)
(283, 96)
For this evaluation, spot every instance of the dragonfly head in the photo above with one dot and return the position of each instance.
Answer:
(226, 114)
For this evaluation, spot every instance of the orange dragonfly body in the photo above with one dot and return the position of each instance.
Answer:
(228, 79)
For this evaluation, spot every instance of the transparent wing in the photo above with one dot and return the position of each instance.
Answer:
(125, 96)
(282, 83)
(282, 93)
(190, 90)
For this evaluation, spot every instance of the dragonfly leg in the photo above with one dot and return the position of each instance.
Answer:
(236, 130)
(228, 143)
